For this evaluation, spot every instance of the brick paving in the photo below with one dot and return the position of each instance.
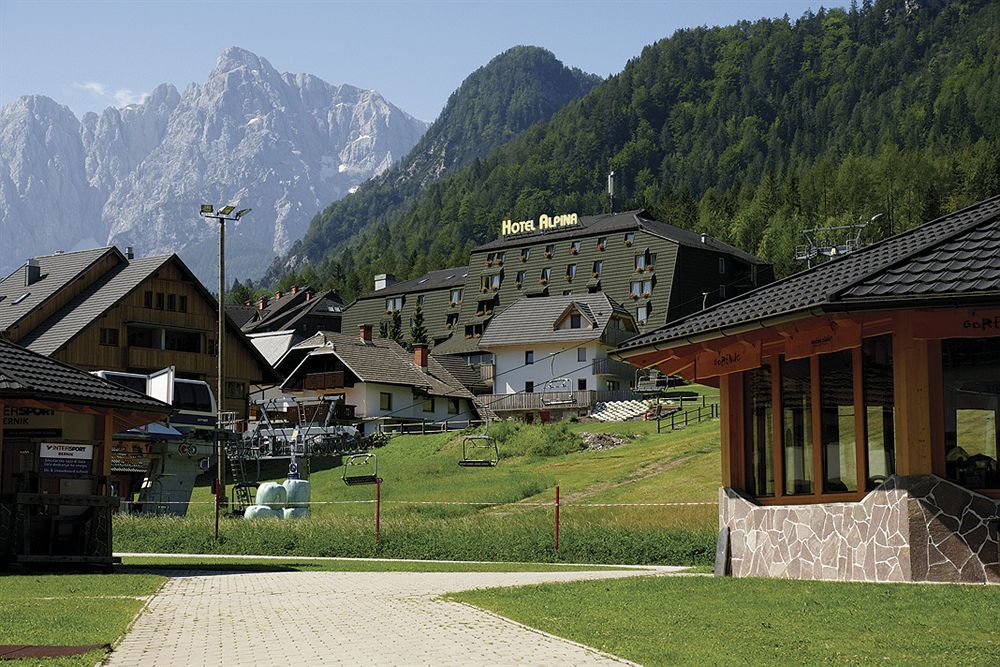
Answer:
(342, 618)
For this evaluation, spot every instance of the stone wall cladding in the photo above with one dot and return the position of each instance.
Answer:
(919, 528)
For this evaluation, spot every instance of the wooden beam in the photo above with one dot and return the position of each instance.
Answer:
(913, 396)
(731, 417)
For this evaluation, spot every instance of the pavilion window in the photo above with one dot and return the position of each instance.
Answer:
(837, 433)
(760, 432)
(971, 391)
(796, 426)
(880, 410)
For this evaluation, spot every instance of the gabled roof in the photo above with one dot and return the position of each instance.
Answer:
(533, 320)
(433, 280)
(955, 258)
(380, 361)
(590, 225)
(240, 314)
(273, 344)
(27, 374)
(57, 271)
(63, 325)
(328, 302)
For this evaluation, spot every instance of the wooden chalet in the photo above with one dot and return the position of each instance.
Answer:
(860, 409)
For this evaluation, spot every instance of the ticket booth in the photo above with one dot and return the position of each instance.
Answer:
(860, 403)
(55, 458)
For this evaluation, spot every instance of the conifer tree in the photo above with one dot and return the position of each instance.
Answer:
(418, 332)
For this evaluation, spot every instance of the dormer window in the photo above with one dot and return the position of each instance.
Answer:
(575, 321)
(574, 247)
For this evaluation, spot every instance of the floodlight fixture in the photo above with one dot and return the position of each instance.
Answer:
(227, 209)
(207, 208)
(242, 212)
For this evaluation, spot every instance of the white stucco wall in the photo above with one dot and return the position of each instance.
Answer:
(404, 404)
(551, 361)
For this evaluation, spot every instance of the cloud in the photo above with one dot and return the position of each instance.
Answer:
(121, 96)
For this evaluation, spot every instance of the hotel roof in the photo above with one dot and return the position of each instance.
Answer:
(953, 259)
(443, 278)
(590, 225)
(532, 321)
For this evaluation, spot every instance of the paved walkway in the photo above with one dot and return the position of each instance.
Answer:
(342, 618)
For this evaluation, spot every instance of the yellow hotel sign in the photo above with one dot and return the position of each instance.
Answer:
(545, 223)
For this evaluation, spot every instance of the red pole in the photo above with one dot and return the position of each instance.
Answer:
(557, 518)
(378, 507)
(216, 509)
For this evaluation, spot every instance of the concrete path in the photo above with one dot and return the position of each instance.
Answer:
(342, 618)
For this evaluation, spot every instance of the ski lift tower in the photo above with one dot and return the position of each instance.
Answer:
(832, 242)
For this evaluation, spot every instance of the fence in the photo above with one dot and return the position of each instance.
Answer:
(682, 418)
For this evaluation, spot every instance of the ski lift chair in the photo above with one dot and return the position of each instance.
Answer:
(360, 469)
(557, 391)
(479, 451)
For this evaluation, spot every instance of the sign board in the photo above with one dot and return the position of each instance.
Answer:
(544, 223)
(66, 458)
(41, 423)
(958, 323)
(830, 336)
(733, 358)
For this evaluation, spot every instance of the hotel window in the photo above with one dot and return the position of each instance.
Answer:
(393, 304)
(455, 297)
(550, 250)
(722, 291)
(602, 243)
(722, 265)
(642, 314)
(650, 260)
(570, 271)
(574, 247)
(160, 298)
(451, 320)
(575, 321)
(109, 337)
(970, 368)
(546, 272)
(581, 384)
(629, 238)
(640, 263)
(635, 289)
(182, 304)
(171, 302)
(384, 401)
(525, 254)
(529, 387)
(837, 435)
(500, 257)
(428, 405)
(453, 406)
(147, 299)
(474, 331)
(489, 283)
(581, 354)
(420, 299)
(519, 280)
(598, 267)
(529, 357)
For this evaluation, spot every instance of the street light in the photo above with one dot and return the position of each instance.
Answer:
(221, 216)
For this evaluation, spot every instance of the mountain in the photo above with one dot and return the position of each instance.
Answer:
(283, 144)
(750, 132)
(516, 89)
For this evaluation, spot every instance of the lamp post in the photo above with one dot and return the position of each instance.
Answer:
(221, 216)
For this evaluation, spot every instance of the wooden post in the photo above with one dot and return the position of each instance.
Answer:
(915, 433)
(731, 428)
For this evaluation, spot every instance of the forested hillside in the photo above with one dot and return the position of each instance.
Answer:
(750, 132)
(516, 89)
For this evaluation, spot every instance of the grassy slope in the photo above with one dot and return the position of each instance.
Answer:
(70, 610)
(703, 620)
(680, 466)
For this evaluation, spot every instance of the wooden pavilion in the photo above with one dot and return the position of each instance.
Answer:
(55, 457)
(860, 409)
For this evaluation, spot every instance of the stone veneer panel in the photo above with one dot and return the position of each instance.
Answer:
(920, 528)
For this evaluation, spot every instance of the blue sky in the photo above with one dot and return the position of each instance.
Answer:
(89, 55)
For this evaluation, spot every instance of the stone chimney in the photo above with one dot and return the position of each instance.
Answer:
(295, 289)
(384, 280)
(365, 332)
(277, 295)
(420, 355)
(32, 272)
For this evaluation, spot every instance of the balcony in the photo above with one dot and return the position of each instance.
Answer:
(329, 380)
(554, 400)
(186, 362)
(611, 367)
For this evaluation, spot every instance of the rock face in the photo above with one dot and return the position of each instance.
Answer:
(282, 144)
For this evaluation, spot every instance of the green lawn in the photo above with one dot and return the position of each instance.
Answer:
(704, 620)
(69, 610)
(651, 468)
